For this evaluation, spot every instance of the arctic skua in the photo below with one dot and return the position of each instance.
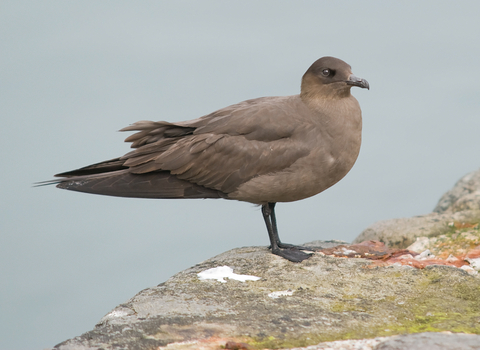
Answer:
(263, 151)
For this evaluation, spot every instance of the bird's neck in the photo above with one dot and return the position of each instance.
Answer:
(312, 92)
(321, 93)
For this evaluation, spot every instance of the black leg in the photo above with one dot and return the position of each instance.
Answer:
(266, 212)
(274, 223)
(287, 251)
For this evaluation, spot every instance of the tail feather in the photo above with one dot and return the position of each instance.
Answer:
(122, 183)
(97, 168)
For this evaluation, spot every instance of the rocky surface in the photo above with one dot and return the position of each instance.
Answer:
(322, 299)
(465, 195)
(325, 302)
(431, 341)
(419, 341)
(459, 205)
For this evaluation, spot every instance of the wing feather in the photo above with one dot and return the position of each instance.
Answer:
(224, 149)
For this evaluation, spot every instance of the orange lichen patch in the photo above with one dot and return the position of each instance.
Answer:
(418, 264)
(384, 256)
(460, 225)
(231, 345)
(474, 253)
(459, 244)
(211, 343)
(373, 250)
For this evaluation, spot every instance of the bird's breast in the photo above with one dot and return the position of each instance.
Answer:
(328, 161)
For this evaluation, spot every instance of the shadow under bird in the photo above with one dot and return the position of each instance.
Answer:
(263, 151)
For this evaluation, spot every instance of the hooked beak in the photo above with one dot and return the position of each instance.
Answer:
(356, 81)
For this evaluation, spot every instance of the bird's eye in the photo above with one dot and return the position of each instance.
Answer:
(326, 72)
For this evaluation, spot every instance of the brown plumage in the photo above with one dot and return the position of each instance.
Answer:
(263, 151)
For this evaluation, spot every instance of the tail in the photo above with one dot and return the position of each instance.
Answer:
(122, 183)
(111, 178)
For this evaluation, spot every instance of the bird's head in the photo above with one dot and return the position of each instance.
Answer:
(329, 77)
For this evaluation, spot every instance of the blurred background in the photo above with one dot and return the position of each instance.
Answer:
(72, 73)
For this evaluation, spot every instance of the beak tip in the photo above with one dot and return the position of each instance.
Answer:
(356, 81)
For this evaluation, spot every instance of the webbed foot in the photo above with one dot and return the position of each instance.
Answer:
(292, 254)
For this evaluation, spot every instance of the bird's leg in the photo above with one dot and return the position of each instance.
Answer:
(287, 251)
(266, 212)
(275, 231)
(273, 219)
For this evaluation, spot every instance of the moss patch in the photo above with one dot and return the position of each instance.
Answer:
(441, 303)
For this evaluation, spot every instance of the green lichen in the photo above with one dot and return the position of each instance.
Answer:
(440, 305)
(291, 342)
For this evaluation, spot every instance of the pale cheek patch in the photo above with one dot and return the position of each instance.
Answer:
(221, 272)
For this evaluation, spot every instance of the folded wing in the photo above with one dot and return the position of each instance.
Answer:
(216, 153)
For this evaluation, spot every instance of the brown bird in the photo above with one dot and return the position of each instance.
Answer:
(263, 151)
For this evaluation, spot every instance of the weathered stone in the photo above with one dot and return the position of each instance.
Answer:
(419, 341)
(460, 204)
(467, 190)
(431, 341)
(400, 233)
(332, 299)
